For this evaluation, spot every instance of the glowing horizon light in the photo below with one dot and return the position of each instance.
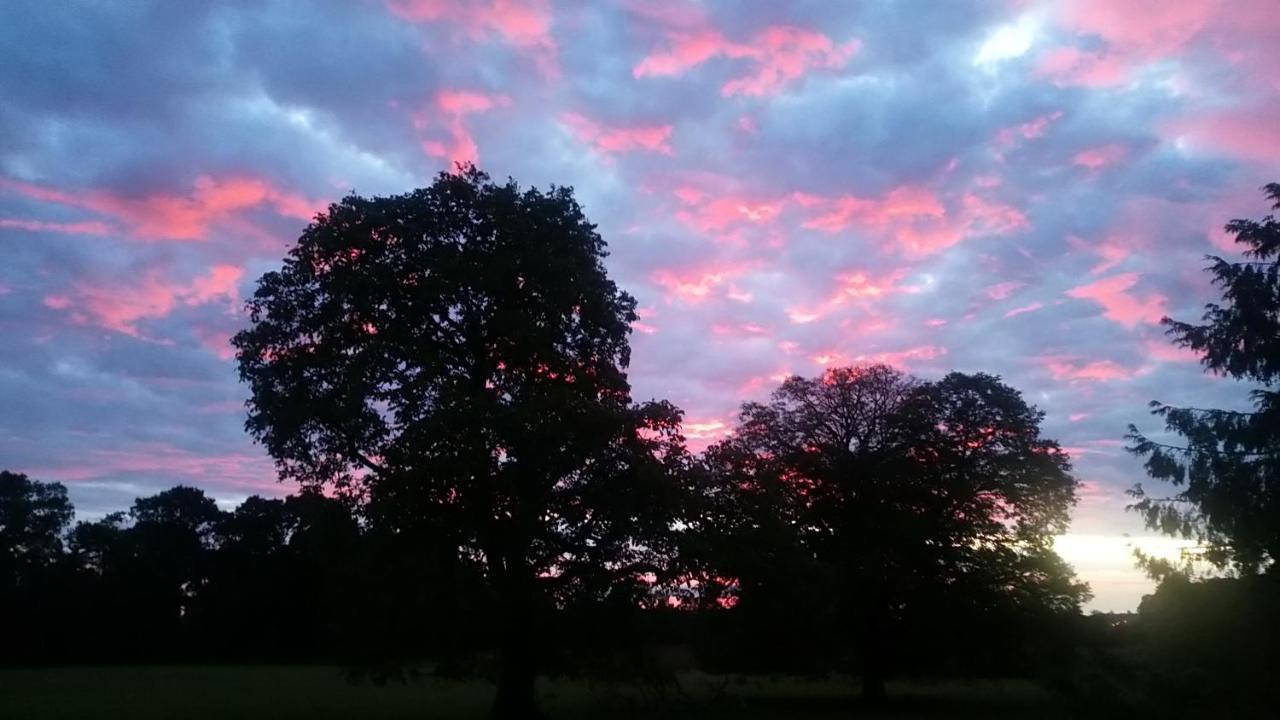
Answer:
(1118, 549)
(1108, 564)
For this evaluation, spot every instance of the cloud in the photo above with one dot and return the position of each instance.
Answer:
(449, 109)
(121, 307)
(1024, 309)
(162, 216)
(1096, 371)
(854, 287)
(1002, 290)
(618, 139)
(696, 283)
(1249, 133)
(524, 24)
(781, 54)
(87, 227)
(914, 219)
(1096, 158)
(1118, 303)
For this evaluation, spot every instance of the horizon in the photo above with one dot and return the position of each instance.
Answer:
(1024, 190)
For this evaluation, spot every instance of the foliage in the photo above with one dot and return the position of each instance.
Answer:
(33, 517)
(880, 491)
(1225, 465)
(455, 357)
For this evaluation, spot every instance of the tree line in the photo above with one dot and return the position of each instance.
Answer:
(444, 374)
(731, 551)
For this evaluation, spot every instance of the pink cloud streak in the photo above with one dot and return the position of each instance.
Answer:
(781, 54)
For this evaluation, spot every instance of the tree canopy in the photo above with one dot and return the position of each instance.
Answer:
(898, 489)
(33, 518)
(1225, 464)
(456, 357)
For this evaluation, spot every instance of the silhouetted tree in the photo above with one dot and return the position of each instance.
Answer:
(456, 356)
(165, 561)
(901, 490)
(94, 545)
(1225, 464)
(34, 517)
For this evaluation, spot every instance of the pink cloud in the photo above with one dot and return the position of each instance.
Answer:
(1091, 491)
(524, 24)
(853, 287)
(706, 213)
(1096, 158)
(781, 54)
(1224, 241)
(982, 216)
(703, 432)
(1249, 133)
(829, 357)
(1134, 33)
(1164, 351)
(217, 342)
(1029, 130)
(466, 102)
(1111, 252)
(121, 307)
(249, 471)
(1139, 32)
(173, 217)
(641, 325)
(904, 203)
(618, 139)
(902, 358)
(694, 284)
(1145, 28)
(912, 217)
(740, 329)
(450, 109)
(1071, 66)
(1097, 371)
(1024, 309)
(1001, 291)
(1120, 305)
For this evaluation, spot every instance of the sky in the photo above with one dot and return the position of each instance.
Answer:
(1023, 188)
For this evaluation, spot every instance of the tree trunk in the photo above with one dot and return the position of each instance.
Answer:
(516, 698)
(872, 678)
(873, 650)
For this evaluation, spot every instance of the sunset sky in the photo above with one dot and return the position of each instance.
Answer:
(1022, 188)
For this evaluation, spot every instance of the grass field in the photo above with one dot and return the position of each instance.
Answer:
(317, 693)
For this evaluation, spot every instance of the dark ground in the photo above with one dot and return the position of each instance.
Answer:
(322, 693)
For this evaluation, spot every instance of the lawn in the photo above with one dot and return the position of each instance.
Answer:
(320, 693)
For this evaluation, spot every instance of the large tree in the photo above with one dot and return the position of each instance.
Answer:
(34, 517)
(899, 489)
(455, 357)
(1225, 464)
